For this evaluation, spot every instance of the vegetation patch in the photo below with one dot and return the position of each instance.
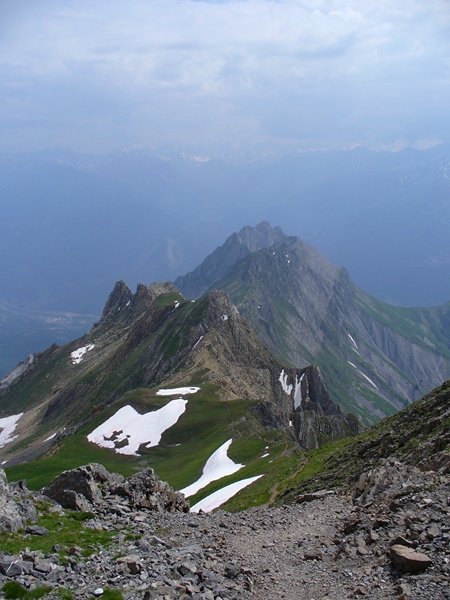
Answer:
(67, 530)
(13, 589)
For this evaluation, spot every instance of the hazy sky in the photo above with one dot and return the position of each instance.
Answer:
(99, 75)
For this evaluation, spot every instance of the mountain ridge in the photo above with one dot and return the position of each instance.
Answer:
(306, 310)
(154, 339)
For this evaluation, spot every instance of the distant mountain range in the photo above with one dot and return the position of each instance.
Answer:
(104, 397)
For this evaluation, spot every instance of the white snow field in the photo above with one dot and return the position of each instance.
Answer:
(7, 427)
(127, 425)
(78, 355)
(217, 466)
(221, 496)
(181, 391)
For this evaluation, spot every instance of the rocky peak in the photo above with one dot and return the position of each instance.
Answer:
(261, 236)
(118, 299)
(163, 287)
(236, 247)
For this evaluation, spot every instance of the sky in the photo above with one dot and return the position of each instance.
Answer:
(100, 75)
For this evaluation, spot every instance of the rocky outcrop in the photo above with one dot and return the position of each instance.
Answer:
(81, 488)
(118, 299)
(146, 491)
(78, 488)
(17, 372)
(317, 419)
(16, 507)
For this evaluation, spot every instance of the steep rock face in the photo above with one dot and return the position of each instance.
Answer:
(119, 298)
(315, 417)
(237, 246)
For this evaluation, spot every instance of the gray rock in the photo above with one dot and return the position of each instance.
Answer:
(67, 488)
(11, 567)
(36, 530)
(146, 491)
(11, 517)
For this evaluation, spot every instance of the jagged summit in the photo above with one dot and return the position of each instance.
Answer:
(119, 298)
(237, 246)
(122, 297)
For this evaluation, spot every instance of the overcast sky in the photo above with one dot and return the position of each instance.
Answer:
(99, 75)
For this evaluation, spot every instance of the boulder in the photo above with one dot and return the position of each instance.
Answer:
(146, 491)
(408, 560)
(15, 506)
(71, 489)
(90, 485)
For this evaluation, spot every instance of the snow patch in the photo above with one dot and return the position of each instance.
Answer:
(126, 430)
(181, 391)
(352, 341)
(50, 437)
(224, 317)
(78, 355)
(221, 496)
(7, 427)
(365, 376)
(283, 380)
(217, 466)
(264, 455)
(197, 342)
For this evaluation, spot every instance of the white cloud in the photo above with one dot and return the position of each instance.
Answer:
(220, 68)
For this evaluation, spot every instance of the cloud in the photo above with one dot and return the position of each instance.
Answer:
(185, 70)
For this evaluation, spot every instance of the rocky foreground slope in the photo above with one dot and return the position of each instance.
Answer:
(380, 530)
(389, 539)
